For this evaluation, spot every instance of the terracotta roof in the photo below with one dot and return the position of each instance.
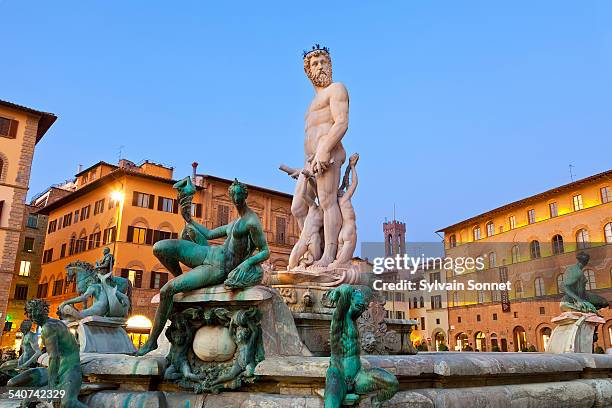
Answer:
(95, 165)
(44, 123)
(570, 186)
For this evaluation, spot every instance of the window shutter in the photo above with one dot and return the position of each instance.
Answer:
(199, 210)
(151, 200)
(104, 236)
(125, 273)
(138, 280)
(152, 280)
(149, 237)
(163, 279)
(174, 235)
(13, 129)
(135, 198)
(130, 234)
(175, 206)
(159, 203)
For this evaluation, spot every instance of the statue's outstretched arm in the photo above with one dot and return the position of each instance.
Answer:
(34, 358)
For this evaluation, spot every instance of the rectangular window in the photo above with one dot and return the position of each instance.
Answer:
(458, 319)
(76, 216)
(47, 255)
(32, 221)
(434, 277)
(512, 220)
(52, 226)
(63, 251)
(494, 316)
(542, 310)
(143, 200)
(137, 235)
(134, 276)
(67, 220)
(422, 323)
(28, 244)
(8, 128)
(60, 222)
(21, 292)
(281, 230)
(24, 268)
(436, 302)
(43, 289)
(196, 210)
(531, 216)
(222, 215)
(158, 279)
(165, 204)
(606, 194)
(477, 317)
(99, 207)
(578, 202)
(554, 211)
(85, 213)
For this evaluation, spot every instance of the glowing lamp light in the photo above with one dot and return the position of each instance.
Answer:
(117, 196)
(139, 321)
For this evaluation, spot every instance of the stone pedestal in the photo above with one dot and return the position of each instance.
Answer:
(105, 335)
(574, 332)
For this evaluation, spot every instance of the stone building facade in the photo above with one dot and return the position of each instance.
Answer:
(21, 128)
(529, 243)
(128, 208)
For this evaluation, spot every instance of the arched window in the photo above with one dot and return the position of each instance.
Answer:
(518, 289)
(476, 233)
(414, 303)
(452, 241)
(582, 239)
(456, 299)
(515, 254)
(539, 286)
(560, 286)
(608, 232)
(1, 167)
(490, 229)
(422, 302)
(557, 244)
(492, 260)
(590, 277)
(534, 249)
(481, 297)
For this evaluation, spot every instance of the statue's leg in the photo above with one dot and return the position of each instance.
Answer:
(335, 388)
(327, 188)
(34, 377)
(199, 277)
(71, 383)
(172, 252)
(597, 301)
(298, 250)
(299, 207)
(376, 380)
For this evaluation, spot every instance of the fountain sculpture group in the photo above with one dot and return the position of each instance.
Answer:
(232, 317)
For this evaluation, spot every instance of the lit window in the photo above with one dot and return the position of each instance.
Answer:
(606, 194)
(554, 211)
(140, 235)
(557, 244)
(608, 232)
(24, 268)
(531, 216)
(582, 239)
(578, 202)
(476, 233)
(490, 229)
(590, 277)
(539, 286)
(512, 220)
(534, 249)
(515, 254)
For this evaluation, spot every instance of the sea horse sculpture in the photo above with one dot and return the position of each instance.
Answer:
(110, 293)
(345, 377)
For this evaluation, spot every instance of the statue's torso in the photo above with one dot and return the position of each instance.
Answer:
(318, 122)
(238, 245)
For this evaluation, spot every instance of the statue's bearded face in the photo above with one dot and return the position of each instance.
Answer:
(318, 68)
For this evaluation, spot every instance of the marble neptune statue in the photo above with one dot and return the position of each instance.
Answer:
(326, 123)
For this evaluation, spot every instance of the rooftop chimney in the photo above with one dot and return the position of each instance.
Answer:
(194, 166)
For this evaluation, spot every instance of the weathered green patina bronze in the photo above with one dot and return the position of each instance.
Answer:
(64, 370)
(576, 296)
(29, 353)
(346, 379)
(189, 371)
(236, 263)
(111, 294)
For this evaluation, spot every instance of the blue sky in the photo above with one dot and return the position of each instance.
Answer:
(456, 107)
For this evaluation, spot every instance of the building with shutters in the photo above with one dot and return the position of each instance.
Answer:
(21, 128)
(129, 207)
(530, 243)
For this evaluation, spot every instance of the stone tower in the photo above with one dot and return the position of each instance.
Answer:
(395, 242)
